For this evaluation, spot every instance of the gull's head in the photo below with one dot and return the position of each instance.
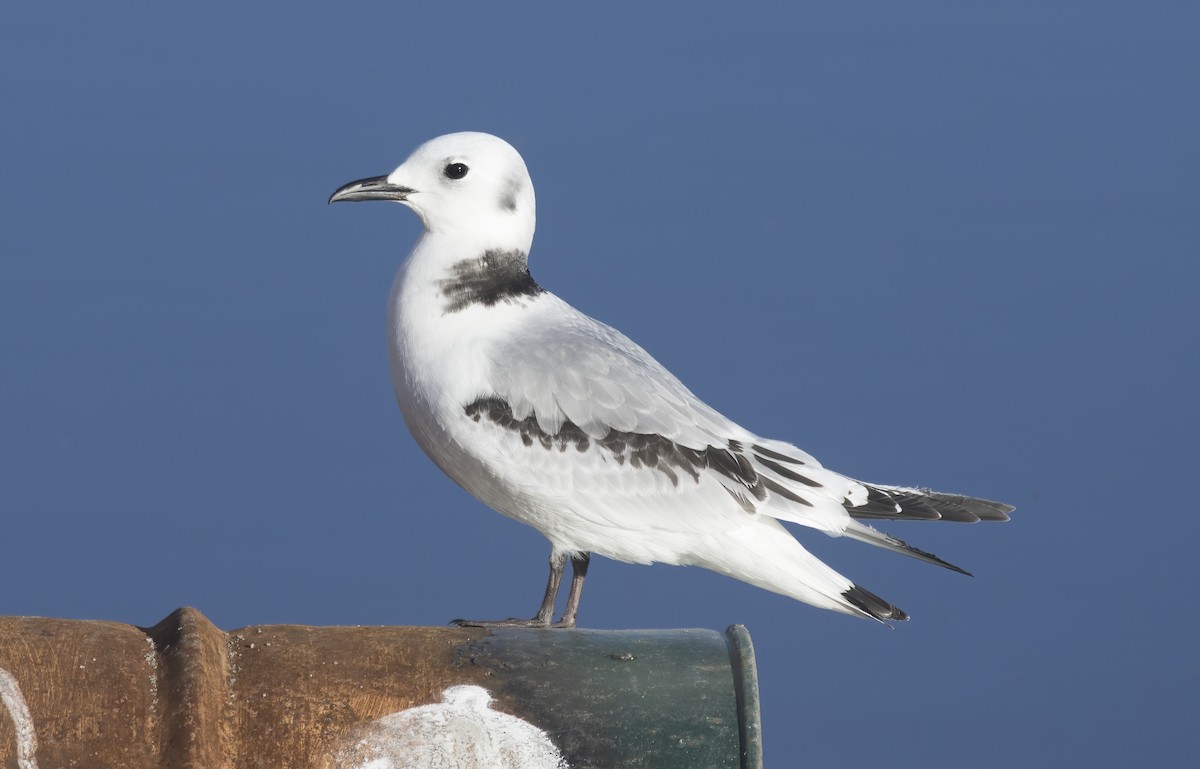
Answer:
(463, 183)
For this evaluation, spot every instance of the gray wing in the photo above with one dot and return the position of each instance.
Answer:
(577, 381)
(588, 373)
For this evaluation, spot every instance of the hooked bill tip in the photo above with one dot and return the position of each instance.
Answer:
(373, 188)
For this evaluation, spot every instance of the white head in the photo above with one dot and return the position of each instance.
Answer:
(463, 184)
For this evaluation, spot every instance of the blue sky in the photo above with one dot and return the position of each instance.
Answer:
(946, 244)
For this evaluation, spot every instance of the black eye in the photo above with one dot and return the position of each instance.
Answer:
(455, 171)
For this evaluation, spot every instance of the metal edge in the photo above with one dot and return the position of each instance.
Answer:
(745, 685)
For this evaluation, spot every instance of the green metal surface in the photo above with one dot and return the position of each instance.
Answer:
(745, 685)
(637, 698)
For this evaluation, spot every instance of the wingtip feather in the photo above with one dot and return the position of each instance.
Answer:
(873, 606)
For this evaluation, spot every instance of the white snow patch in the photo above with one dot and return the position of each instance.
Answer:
(461, 732)
(18, 710)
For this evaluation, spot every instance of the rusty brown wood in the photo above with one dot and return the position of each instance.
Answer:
(185, 695)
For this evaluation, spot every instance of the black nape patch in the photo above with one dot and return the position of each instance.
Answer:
(638, 449)
(497, 276)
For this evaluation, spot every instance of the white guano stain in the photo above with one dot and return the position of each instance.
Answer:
(461, 732)
(18, 710)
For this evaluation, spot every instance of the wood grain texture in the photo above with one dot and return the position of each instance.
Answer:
(185, 695)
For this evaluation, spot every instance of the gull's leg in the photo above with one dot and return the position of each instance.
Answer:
(558, 564)
(579, 567)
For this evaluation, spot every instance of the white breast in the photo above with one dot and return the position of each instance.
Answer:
(441, 361)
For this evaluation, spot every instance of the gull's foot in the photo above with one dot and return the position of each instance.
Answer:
(536, 622)
(510, 622)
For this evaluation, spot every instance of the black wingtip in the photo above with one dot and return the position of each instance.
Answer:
(871, 604)
(929, 557)
(900, 503)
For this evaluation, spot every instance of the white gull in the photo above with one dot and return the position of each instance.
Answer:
(562, 423)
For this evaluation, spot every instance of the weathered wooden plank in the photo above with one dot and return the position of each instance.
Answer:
(185, 695)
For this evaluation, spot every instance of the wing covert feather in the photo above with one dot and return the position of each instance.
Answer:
(584, 378)
(599, 380)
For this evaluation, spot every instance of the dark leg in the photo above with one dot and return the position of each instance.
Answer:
(558, 564)
(579, 567)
